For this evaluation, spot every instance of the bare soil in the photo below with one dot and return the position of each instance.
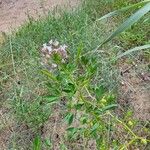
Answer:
(13, 13)
(135, 88)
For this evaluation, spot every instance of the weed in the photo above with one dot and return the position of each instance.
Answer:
(86, 85)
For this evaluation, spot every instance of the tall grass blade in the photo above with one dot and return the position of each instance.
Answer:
(130, 21)
(116, 12)
(133, 50)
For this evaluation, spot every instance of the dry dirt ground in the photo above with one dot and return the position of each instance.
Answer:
(14, 13)
(135, 89)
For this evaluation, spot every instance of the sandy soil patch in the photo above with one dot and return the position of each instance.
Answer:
(14, 13)
(135, 88)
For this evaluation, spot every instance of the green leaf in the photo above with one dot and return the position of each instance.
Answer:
(79, 105)
(72, 130)
(109, 107)
(133, 50)
(116, 12)
(63, 147)
(94, 128)
(49, 74)
(83, 120)
(37, 143)
(69, 88)
(48, 142)
(99, 91)
(69, 118)
(84, 60)
(79, 51)
(130, 21)
(51, 98)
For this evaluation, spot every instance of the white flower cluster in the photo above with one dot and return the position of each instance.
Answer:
(51, 48)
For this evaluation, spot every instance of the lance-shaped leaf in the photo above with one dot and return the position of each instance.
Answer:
(130, 21)
(117, 12)
(133, 50)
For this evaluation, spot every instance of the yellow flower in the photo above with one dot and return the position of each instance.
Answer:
(103, 100)
(130, 123)
(144, 141)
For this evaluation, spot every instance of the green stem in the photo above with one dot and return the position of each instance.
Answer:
(128, 144)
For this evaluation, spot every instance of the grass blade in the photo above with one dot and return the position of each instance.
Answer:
(133, 50)
(109, 107)
(130, 21)
(116, 12)
(37, 143)
(51, 99)
(49, 74)
(69, 118)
